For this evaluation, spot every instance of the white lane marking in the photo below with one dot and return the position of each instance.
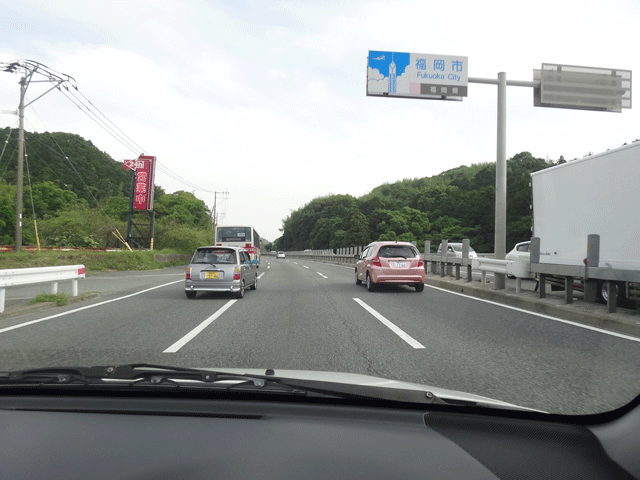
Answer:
(295, 263)
(541, 315)
(191, 335)
(85, 308)
(260, 276)
(395, 329)
(321, 275)
(305, 267)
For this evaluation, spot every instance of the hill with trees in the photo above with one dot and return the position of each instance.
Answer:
(77, 195)
(456, 204)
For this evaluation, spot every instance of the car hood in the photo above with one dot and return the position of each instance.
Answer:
(371, 381)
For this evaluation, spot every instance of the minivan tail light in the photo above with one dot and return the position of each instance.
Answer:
(236, 273)
(420, 263)
(188, 273)
(375, 261)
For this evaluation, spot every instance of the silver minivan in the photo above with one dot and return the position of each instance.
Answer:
(220, 269)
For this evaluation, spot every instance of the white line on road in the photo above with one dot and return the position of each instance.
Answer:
(556, 319)
(85, 308)
(305, 267)
(260, 276)
(395, 329)
(191, 335)
(321, 275)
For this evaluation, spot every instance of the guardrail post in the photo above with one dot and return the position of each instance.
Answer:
(612, 300)
(469, 276)
(54, 288)
(518, 284)
(457, 271)
(593, 259)
(568, 289)
(74, 288)
(534, 253)
(2, 297)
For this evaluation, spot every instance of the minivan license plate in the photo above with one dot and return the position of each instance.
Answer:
(211, 275)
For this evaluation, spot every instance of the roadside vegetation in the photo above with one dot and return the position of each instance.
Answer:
(94, 261)
(456, 204)
(59, 299)
(78, 196)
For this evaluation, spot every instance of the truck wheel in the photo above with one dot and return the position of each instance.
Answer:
(603, 293)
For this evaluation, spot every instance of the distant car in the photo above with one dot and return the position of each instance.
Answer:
(280, 255)
(390, 263)
(521, 250)
(220, 269)
(455, 250)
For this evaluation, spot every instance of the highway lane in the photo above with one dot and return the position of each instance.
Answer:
(309, 315)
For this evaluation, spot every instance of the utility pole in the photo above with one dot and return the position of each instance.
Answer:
(214, 210)
(29, 69)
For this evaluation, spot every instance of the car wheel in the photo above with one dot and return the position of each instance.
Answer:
(255, 284)
(240, 293)
(358, 281)
(370, 285)
(419, 287)
(190, 294)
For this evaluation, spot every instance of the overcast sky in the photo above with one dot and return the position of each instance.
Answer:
(267, 100)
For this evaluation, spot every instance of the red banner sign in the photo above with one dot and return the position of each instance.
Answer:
(144, 168)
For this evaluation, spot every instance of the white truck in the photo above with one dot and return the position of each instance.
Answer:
(586, 218)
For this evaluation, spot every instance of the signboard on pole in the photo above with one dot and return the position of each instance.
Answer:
(144, 168)
(582, 88)
(417, 75)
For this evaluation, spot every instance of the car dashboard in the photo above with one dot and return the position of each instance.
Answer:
(125, 436)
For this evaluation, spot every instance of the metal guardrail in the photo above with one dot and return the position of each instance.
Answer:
(16, 277)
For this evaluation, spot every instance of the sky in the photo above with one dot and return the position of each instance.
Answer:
(267, 100)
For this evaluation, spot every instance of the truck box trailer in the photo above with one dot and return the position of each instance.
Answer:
(595, 195)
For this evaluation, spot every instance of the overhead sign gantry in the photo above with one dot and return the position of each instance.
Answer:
(445, 77)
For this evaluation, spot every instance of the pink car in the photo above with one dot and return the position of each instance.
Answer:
(390, 262)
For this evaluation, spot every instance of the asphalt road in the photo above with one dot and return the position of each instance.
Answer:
(312, 316)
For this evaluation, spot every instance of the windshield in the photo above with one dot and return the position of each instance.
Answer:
(153, 138)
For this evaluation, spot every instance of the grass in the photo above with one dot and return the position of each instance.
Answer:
(94, 261)
(60, 299)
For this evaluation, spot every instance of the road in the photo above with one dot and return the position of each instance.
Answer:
(312, 316)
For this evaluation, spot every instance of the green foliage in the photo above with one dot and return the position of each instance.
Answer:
(456, 204)
(7, 213)
(182, 207)
(92, 260)
(78, 226)
(48, 198)
(69, 161)
(173, 235)
(60, 299)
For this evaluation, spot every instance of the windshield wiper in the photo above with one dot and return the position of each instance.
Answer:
(143, 375)
(149, 375)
